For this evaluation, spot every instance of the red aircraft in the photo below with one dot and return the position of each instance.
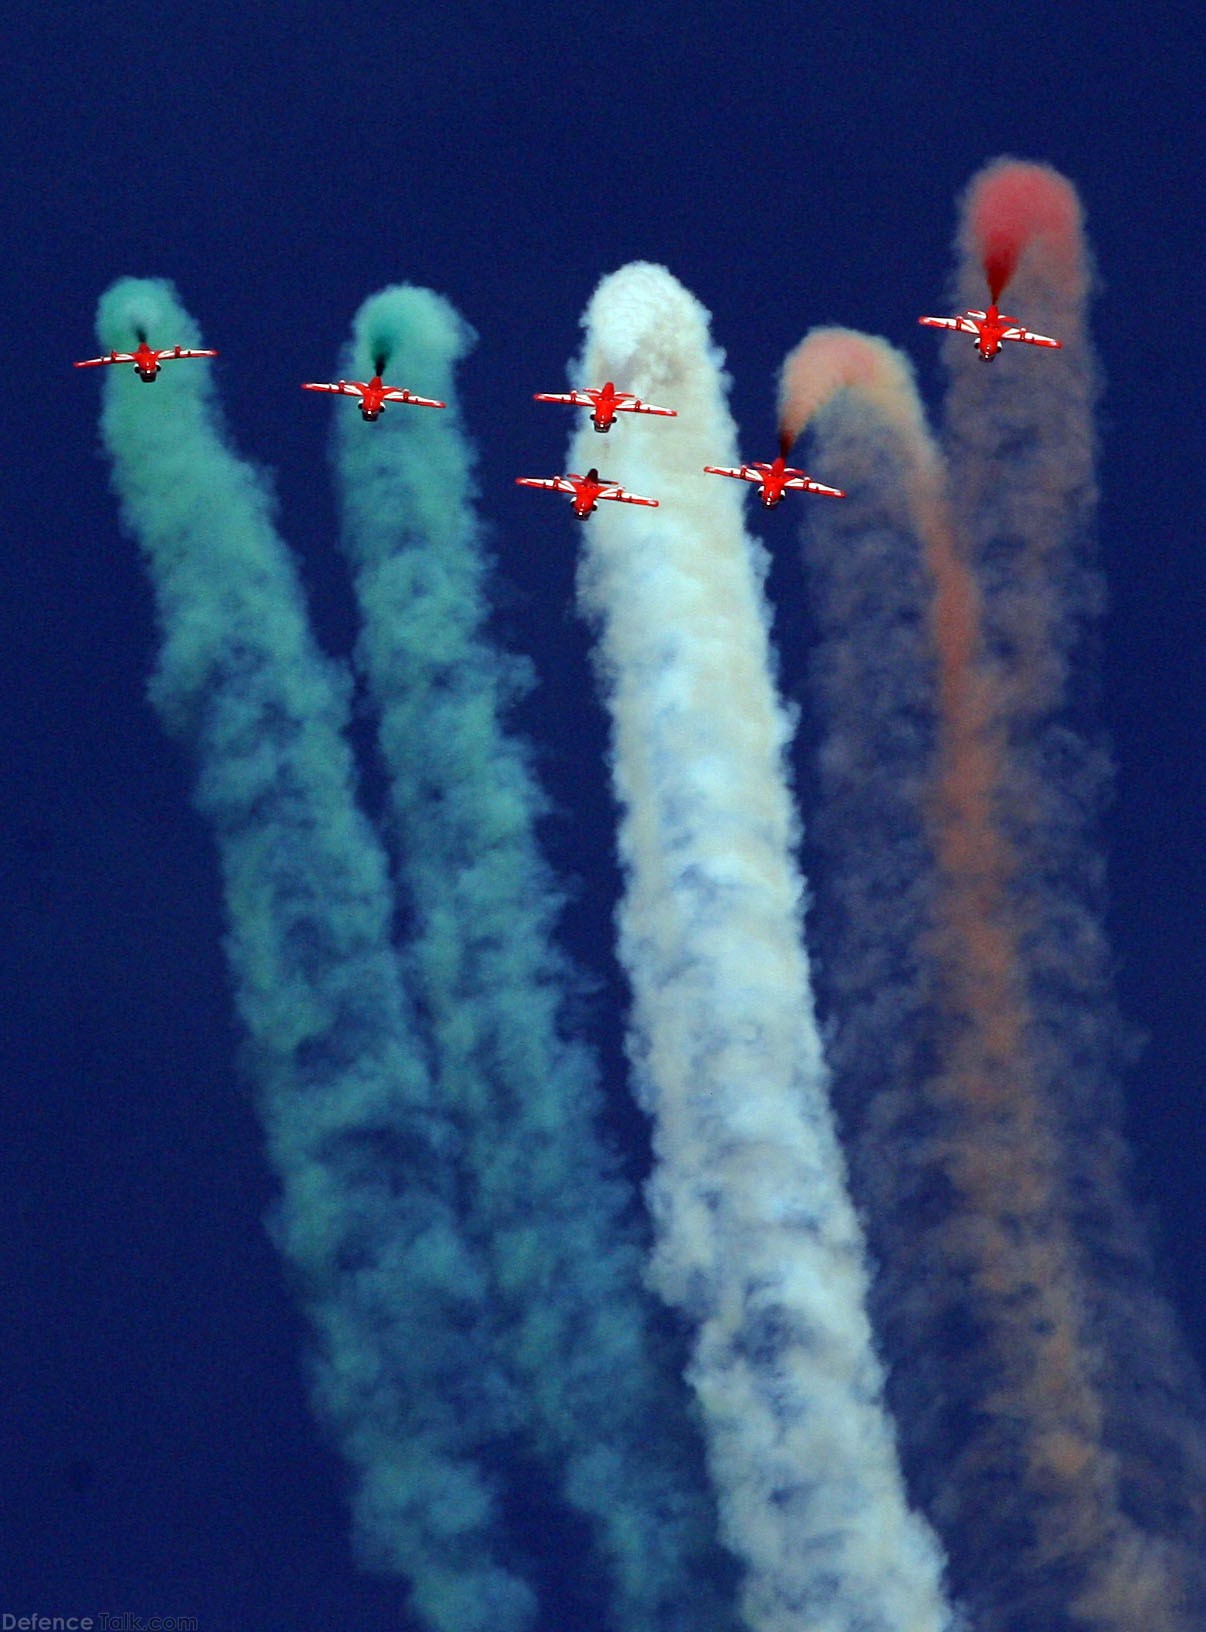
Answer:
(374, 393)
(774, 480)
(587, 490)
(606, 404)
(990, 328)
(146, 359)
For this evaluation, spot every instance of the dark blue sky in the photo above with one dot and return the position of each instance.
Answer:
(279, 163)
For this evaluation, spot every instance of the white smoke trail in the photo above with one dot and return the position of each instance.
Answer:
(758, 1245)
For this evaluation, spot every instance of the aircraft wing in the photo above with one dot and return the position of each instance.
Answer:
(395, 393)
(165, 356)
(113, 357)
(555, 484)
(1032, 339)
(963, 324)
(743, 473)
(628, 498)
(342, 389)
(577, 399)
(807, 485)
(636, 406)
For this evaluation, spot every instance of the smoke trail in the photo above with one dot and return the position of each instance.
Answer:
(872, 672)
(989, 1139)
(757, 1243)
(1011, 207)
(1024, 491)
(542, 1202)
(366, 1219)
(834, 359)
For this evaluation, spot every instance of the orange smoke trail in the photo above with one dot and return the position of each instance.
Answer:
(1041, 1415)
(1001, 1153)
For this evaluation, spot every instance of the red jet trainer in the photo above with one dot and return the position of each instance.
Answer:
(374, 393)
(587, 490)
(774, 480)
(146, 359)
(606, 404)
(990, 328)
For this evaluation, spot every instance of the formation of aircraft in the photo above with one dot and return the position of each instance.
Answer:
(146, 359)
(990, 328)
(374, 393)
(775, 480)
(605, 403)
(586, 490)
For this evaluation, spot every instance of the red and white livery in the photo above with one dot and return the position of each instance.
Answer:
(605, 404)
(146, 359)
(374, 393)
(775, 481)
(990, 329)
(586, 491)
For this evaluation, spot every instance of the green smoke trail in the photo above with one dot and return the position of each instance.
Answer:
(543, 1202)
(364, 1155)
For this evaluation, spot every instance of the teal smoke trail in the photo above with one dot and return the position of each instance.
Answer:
(541, 1202)
(365, 1155)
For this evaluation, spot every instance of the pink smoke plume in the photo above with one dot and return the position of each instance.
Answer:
(829, 360)
(1011, 203)
(1022, 461)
